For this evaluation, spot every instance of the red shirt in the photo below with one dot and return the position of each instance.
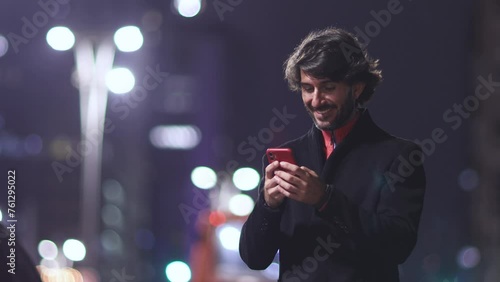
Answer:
(340, 134)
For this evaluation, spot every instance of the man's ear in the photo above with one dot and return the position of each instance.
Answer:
(357, 89)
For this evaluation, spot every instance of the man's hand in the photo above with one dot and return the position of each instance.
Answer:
(272, 194)
(299, 183)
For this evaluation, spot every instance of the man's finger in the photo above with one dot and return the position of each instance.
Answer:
(271, 168)
(290, 178)
(284, 191)
(293, 169)
(310, 171)
(287, 186)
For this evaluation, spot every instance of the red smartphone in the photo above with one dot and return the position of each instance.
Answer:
(281, 155)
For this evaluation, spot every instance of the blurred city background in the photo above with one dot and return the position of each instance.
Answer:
(137, 128)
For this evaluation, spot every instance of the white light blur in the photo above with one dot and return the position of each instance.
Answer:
(1, 215)
(74, 250)
(203, 177)
(229, 237)
(188, 8)
(178, 271)
(49, 263)
(63, 261)
(47, 249)
(246, 178)
(241, 205)
(120, 80)
(60, 38)
(178, 137)
(128, 39)
(468, 257)
(4, 45)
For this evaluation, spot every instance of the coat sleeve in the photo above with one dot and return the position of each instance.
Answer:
(259, 240)
(390, 232)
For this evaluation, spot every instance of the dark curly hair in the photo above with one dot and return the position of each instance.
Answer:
(335, 54)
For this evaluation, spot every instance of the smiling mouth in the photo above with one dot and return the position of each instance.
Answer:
(323, 111)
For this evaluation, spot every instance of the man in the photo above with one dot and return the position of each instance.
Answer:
(349, 210)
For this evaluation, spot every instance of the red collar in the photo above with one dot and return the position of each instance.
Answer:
(340, 133)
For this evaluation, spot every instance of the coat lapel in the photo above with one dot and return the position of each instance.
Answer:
(363, 131)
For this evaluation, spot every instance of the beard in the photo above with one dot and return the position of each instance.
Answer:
(343, 113)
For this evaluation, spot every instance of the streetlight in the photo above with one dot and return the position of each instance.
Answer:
(188, 8)
(120, 80)
(60, 38)
(95, 74)
(128, 39)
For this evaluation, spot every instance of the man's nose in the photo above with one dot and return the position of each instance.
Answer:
(317, 98)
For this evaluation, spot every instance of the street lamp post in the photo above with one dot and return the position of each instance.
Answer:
(94, 61)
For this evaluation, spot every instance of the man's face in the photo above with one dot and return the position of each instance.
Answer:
(330, 104)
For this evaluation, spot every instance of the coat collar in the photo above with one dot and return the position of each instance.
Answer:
(364, 131)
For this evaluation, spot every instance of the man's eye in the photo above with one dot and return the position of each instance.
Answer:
(329, 88)
(308, 89)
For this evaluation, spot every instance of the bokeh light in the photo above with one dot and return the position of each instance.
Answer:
(241, 205)
(178, 271)
(60, 274)
(49, 263)
(111, 241)
(60, 38)
(203, 177)
(4, 45)
(112, 215)
(216, 218)
(120, 80)
(229, 237)
(246, 178)
(60, 147)
(33, 144)
(468, 179)
(468, 257)
(47, 249)
(178, 137)
(89, 274)
(128, 39)
(74, 250)
(188, 8)
(113, 191)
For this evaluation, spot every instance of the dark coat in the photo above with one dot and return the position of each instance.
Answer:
(370, 223)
